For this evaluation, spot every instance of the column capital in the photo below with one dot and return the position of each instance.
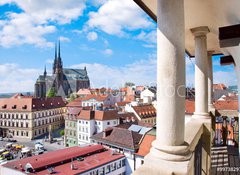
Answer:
(210, 52)
(200, 31)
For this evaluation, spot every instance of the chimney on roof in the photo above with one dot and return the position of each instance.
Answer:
(107, 132)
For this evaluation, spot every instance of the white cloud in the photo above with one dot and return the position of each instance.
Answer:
(49, 61)
(16, 79)
(150, 37)
(64, 39)
(116, 17)
(108, 52)
(92, 36)
(35, 22)
(142, 72)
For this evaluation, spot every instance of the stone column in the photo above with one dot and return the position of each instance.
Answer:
(210, 81)
(201, 72)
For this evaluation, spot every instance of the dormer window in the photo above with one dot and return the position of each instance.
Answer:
(24, 107)
(4, 106)
(14, 106)
(43, 105)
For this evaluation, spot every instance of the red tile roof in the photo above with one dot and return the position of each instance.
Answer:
(226, 105)
(89, 163)
(145, 145)
(86, 115)
(52, 158)
(96, 97)
(190, 106)
(129, 98)
(122, 103)
(145, 111)
(28, 103)
(106, 115)
(120, 137)
(219, 86)
(75, 103)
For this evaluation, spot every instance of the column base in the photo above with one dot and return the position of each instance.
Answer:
(156, 166)
(198, 115)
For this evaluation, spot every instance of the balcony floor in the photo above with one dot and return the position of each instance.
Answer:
(225, 156)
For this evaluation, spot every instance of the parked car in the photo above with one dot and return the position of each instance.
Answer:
(1, 139)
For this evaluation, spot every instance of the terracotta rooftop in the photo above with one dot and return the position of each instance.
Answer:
(219, 86)
(75, 103)
(50, 159)
(96, 97)
(122, 103)
(86, 115)
(120, 137)
(106, 115)
(226, 105)
(129, 98)
(89, 163)
(190, 106)
(83, 92)
(145, 111)
(28, 103)
(73, 111)
(145, 145)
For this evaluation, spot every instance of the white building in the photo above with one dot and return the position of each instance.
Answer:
(95, 160)
(99, 101)
(92, 122)
(148, 95)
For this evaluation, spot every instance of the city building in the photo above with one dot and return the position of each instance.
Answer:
(123, 139)
(148, 95)
(93, 122)
(89, 160)
(28, 117)
(63, 81)
(100, 101)
(145, 113)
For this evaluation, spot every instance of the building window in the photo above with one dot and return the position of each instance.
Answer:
(108, 169)
(27, 133)
(17, 133)
(26, 125)
(108, 123)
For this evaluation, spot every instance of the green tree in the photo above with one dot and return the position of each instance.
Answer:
(62, 132)
(73, 96)
(51, 93)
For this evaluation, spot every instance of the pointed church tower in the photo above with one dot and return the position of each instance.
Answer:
(55, 60)
(45, 72)
(58, 68)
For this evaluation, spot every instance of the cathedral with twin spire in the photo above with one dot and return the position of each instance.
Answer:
(63, 81)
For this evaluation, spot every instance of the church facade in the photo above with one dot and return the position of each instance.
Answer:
(63, 81)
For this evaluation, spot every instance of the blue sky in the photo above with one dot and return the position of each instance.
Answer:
(115, 39)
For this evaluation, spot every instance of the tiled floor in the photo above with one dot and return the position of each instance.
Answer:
(225, 156)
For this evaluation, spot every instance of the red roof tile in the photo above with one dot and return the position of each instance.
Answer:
(190, 106)
(96, 97)
(145, 145)
(51, 158)
(28, 103)
(89, 163)
(226, 105)
(219, 86)
(106, 115)
(145, 111)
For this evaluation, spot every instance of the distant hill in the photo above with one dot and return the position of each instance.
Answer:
(8, 95)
